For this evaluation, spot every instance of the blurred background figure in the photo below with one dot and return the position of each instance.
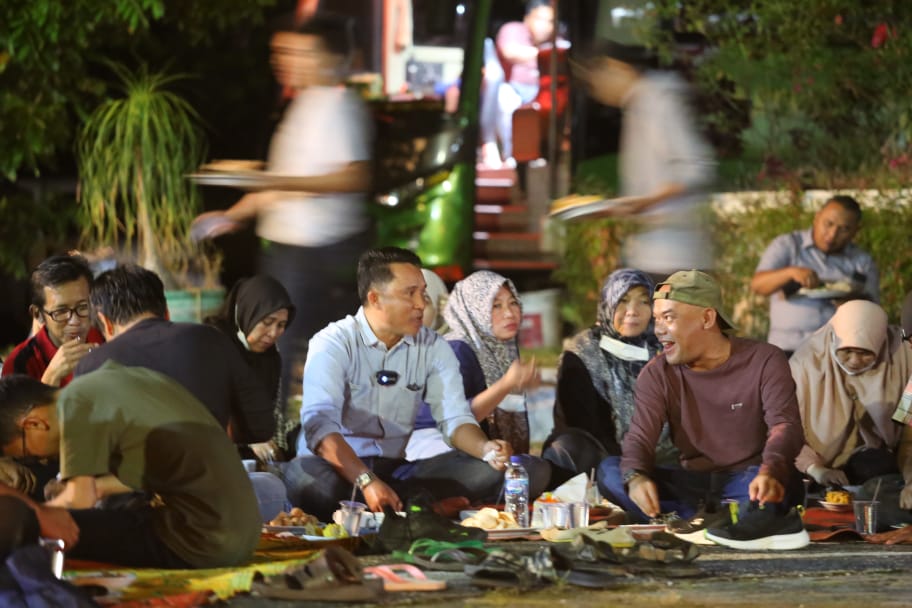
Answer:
(511, 78)
(254, 316)
(312, 218)
(664, 163)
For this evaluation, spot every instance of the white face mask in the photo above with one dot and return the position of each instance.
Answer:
(240, 332)
(850, 372)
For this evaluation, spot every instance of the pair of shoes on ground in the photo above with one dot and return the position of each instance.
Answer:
(758, 527)
(397, 533)
(612, 546)
(337, 576)
(524, 570)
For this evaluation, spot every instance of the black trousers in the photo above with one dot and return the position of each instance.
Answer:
(120, 536)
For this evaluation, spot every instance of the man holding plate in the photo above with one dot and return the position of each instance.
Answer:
(806, 273)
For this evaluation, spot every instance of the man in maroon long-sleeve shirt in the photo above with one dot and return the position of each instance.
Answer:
(729, 402)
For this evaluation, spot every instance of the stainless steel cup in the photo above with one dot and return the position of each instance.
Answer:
(866, 516)
(579, 514)
(555, 515)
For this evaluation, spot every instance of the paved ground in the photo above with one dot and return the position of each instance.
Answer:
(822, 575)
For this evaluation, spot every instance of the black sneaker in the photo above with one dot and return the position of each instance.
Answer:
(762, 528)
(708, 516)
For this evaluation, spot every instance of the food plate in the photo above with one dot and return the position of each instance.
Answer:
(245, 179)
(837, 507)
(643, 531)
(508, 533)
(105, 588)
(296, 530)
(112, 581)
(576, 207)
(823, 293)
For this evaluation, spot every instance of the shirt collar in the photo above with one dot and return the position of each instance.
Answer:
(807, 238)
(45, 344)
(370, 338)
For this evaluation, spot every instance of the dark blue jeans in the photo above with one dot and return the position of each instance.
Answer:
(314, 486)
(679, 490)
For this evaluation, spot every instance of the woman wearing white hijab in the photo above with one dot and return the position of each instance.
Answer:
(850, 376)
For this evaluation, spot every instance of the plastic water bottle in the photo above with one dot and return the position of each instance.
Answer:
(516, 492)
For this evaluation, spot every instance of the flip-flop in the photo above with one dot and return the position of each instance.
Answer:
(441, 555)
(403, 577)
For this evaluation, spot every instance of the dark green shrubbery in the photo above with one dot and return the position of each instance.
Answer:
(592, 252)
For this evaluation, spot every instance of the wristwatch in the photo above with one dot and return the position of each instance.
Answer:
(364, 479)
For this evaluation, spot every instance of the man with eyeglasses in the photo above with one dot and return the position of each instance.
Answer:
(60, 304)
(365, 378)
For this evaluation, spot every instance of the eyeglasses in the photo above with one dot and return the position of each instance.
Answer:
(387, 377)
(65, 314)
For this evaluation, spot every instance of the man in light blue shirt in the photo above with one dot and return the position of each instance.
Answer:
(796, 263)
(365, 378)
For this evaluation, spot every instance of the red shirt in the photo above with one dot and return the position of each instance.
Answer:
(33, 356)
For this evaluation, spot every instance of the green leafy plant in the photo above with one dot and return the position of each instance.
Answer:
(133, 154)
(826, 83)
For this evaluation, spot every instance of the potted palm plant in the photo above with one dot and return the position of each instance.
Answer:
(133, 153)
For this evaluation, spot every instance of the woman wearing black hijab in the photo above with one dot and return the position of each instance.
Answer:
(254, 315)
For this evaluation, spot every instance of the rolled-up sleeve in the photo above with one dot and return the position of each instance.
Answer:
(325, 380)
(445, 393)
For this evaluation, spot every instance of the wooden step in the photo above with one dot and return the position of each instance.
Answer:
(495, 186)
(510, 264)
(501, 217)
(505, 244)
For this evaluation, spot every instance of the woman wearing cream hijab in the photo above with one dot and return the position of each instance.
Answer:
(850, 376)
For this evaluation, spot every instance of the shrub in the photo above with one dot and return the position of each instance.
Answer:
(592, 251)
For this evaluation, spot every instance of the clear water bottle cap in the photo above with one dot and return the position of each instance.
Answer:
(515, 460)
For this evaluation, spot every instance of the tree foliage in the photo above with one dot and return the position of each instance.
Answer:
(827, 82)
(47, 52)
(52, 77)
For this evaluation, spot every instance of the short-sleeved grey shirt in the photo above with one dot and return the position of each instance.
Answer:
(794, 317)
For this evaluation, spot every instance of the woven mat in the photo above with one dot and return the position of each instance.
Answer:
(187, 588)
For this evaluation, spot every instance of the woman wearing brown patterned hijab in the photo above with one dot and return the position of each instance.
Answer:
(484, 314)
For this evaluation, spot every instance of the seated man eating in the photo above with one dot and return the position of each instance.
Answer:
(364, 380)
(731, 408)
(132, 429)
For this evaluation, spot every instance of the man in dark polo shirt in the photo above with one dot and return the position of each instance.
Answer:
(132, 312)
(731, 408)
